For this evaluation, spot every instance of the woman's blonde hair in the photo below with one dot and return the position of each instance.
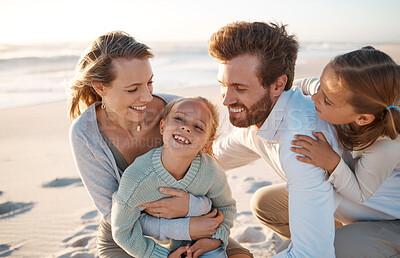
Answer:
(214, 117)
(373, 79)
(96, 65)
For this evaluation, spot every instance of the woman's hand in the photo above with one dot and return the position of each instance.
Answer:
(316, 152)
(178, 252)
(203, 246)
(173, 207)
(206, 225)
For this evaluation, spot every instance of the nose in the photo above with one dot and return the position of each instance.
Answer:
(145, 95)
(227, 96)
(186, 129)
(315, 96)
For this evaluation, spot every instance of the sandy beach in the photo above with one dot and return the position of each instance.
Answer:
(45, 210)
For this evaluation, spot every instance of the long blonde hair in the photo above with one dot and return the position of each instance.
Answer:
(96, 65)
(214, 117)
(373, 79)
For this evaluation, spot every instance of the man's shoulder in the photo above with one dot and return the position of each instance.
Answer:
(301, 116)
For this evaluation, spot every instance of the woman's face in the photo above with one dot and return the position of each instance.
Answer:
(186, 130)
(130, 91)
(330, 100)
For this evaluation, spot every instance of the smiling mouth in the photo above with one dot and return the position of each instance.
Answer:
(181, 139)
(138, 108)
(236, 110)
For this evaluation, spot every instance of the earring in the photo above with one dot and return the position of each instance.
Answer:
(103, 105)
(359, 122)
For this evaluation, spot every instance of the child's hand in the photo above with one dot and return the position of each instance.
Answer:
(206, 225)
(203, 246)
(176, 206)
(178, 252)
(316, 152)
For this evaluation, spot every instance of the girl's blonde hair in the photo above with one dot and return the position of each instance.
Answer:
(373, 79)
(96, 65)
(214, 117)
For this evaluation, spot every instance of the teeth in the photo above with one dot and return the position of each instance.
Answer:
(181, 139)
(139, 108)
(236, 110)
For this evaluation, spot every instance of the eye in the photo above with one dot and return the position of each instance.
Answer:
(133, 90)
(199, 128)
(150, 83)
(326, 101)
(179, 119)
(239, 89)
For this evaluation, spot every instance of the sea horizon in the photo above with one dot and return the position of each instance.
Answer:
(37, 73)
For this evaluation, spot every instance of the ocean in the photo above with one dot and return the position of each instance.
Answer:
(39, 73)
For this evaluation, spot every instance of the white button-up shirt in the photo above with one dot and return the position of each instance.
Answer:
(311, 198)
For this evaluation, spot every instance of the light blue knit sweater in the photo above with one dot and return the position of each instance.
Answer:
(140, 183)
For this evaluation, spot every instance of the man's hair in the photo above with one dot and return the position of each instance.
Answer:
(275, 49)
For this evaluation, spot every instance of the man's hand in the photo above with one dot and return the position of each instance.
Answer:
(173, 207)
(205, 226)
(203, 246)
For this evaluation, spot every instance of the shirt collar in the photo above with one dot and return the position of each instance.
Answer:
(275, 118)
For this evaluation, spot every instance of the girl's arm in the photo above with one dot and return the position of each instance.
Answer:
(370, 171)
(221, 197)
(127, 231)
(308, 86)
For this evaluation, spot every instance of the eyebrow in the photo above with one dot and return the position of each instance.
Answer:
(138, 83)
(234, 84)
(180, 112)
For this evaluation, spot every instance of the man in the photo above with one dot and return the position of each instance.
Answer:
(256, 72)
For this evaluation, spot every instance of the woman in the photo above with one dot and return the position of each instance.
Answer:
(117, 120)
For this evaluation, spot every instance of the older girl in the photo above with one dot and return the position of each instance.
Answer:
(359, 94)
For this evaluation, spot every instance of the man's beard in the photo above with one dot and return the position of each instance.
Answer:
(255, 114)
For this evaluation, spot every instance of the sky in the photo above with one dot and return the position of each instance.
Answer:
(27, 21)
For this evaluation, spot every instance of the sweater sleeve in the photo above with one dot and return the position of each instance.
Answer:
(127, 231)
(221, 197)
(371, 170)
(308, 86)
(97, 175)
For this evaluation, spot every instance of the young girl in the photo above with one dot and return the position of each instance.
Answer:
(359, 94)
(188, 128)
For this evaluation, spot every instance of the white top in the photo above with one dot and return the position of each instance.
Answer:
(369, 179)
(311, 197)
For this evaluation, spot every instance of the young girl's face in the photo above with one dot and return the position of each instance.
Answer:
(330, 100)
(186, 129)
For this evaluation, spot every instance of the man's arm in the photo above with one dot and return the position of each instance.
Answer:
(233, 151)
(311, 206)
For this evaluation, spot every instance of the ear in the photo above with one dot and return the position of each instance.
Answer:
(278, 86)
(162, 124)
(98, 87)
(365, 119)
(206, 147)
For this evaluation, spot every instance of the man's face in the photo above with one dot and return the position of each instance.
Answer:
(248, 102)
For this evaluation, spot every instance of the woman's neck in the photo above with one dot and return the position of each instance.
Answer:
(176, 166)
(112, 121)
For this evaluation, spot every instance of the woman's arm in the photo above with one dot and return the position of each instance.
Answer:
(97, 175)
